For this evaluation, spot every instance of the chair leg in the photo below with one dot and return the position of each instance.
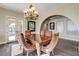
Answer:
(27, 53)
(24, 52)
(48, 53)
(53, 53)
(38, 49)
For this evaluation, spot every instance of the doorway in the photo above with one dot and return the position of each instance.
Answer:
(69, 33)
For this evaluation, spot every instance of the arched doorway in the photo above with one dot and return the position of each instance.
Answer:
(61, 24)
(69, 34)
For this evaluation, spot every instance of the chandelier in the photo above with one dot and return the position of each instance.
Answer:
(31, 13)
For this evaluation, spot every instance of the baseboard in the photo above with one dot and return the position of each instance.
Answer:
(8, 42)
(3, 43)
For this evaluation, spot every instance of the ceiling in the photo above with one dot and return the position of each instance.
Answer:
(19, 7)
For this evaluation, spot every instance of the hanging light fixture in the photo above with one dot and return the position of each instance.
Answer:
(31, 13)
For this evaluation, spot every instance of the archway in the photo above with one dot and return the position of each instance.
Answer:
(61, 24)
(69, 34)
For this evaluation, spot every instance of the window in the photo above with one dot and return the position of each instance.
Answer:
(71, 28)
(12, 32)
(60, 27)
(11, 29)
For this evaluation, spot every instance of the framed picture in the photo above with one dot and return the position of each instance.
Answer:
(52, 25)
(31, 25)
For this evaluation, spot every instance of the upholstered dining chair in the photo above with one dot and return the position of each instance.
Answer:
(42, 34)
(27, 47)
(27, 33)
(47, 37)
(51, 46)
(48, 33)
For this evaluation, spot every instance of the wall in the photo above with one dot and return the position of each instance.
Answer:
(69, 10)
(3, 23)
(65, 33)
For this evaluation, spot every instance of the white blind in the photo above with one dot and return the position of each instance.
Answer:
(60, 27)
(71, 27)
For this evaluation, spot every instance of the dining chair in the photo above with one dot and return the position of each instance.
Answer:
(42, 34)
(51, 46)
(48, 33)
(27, 33)
(27, 46)
(47, 37)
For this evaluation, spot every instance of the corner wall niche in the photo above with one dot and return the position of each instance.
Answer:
(63, 25)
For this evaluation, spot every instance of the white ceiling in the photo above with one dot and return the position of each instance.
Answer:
(19, 7)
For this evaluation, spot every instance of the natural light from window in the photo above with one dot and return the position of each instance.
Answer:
(12, 31)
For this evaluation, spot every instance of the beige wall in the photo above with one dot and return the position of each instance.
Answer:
(69, 10)
(3, 22)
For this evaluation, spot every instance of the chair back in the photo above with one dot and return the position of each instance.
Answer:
(23, 39)
(27, 33)
(54, 41)
(26, 43)
(48, 33)
(42, 34)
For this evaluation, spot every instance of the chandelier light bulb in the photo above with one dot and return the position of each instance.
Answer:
(31, 13)
(36, 12)
(30, 10)
(25, 11)
(33, 8)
